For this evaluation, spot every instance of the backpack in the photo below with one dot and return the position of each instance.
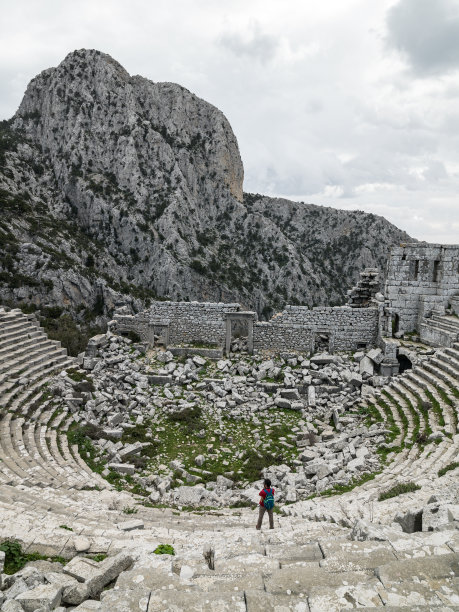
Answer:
(268, 501)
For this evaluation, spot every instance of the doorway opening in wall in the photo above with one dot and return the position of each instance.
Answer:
(395, 324)
(405, 363)
(321, 342)
(160, 333)
(239, 336)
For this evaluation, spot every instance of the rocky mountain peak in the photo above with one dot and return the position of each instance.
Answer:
(92, 118)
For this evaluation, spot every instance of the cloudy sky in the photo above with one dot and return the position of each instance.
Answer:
(346, 103)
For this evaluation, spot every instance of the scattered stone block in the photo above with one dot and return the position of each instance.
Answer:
(282, 403)
(122, 468)
(46, 596)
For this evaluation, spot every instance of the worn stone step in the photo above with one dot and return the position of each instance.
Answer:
(300, 580)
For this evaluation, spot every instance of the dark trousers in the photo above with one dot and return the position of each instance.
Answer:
(261, 514)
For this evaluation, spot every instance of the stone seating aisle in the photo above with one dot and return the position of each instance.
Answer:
(34, 449)
(301, 565)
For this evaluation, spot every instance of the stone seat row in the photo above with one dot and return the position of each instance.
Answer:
(34, 449)
(36, 453)
(409, 399)
(299, 564)
(298, 567)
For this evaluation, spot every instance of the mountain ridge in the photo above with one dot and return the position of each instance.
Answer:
(116, 186)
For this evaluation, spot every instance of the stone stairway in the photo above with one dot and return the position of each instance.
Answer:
(440, 330)
(34, 449)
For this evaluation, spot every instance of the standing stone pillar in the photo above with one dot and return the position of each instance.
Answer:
(228, 335)
(250, 337)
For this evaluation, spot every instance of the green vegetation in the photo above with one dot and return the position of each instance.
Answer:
(164, 549)
(372, 414)
(436, 408)
(65, 527)
(128, 510)
(15, 558)
(448, 468)
(445, 397)
(399, 489)
(98, 558)
(73, 336)
(392, 425)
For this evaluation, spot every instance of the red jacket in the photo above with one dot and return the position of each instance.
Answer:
(263, 495)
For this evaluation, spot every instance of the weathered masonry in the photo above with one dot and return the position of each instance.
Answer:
(422, 281)
(338, 328)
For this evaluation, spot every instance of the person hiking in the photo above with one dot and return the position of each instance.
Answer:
(266, 504)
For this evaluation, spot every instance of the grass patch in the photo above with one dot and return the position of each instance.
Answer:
(371, 413)
(445, 397)
(401, 414)
(16, 559)
(448, 468)
(164, 549)
(98, 558)
(399, 489)
(190, 418)
(436, 407)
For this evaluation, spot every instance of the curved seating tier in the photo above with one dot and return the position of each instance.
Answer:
(34, 448)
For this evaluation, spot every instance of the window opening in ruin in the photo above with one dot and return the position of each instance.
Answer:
(403, 256)
(395, 324)
(405, 363)
(361, 346)
(416, 269)
(436, 270)
(321, 342)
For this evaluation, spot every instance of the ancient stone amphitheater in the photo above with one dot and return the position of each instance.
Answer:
(337, 553)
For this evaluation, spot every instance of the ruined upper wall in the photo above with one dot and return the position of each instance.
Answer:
(420, 277)
(337, 328)
(180, 322)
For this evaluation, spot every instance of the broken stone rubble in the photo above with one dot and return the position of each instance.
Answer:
(322, 388)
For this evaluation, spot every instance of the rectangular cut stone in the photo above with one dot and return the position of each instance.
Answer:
(427, 568)
(327, 599)
(46, 596)
(80, 568)
(301, 579)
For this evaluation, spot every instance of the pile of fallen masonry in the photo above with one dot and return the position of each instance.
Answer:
(333, 446)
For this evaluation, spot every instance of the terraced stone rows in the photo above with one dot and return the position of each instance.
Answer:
(439, 376)
(300, 563)
(34, 450)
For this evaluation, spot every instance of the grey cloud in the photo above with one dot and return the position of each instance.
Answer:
(427, 34)
(259, 46)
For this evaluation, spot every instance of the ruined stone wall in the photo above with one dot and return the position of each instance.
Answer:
(298, 328)
(180, 322)
(420, 278)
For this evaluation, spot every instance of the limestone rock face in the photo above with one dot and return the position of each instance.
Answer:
(112, 184)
